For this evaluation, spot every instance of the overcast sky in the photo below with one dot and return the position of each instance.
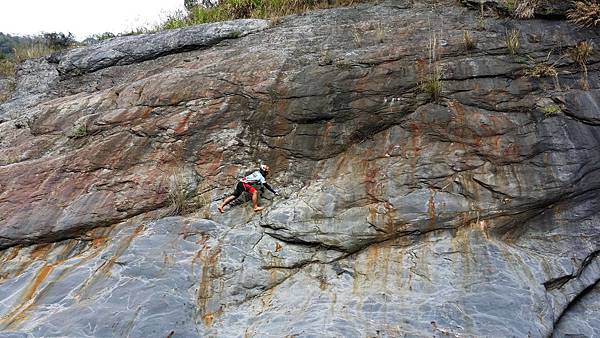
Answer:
(82, 17)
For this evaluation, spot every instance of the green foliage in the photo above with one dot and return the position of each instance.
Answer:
(511, 6)
(58, 41)
(550, 110)
(79, 131)
(235, 34)
(103, 36)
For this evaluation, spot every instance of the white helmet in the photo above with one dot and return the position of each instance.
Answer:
(264, 167)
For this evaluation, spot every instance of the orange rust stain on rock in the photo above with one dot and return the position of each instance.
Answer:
(9, 254)
(122, 246)
(415, 133)
(373, 187)
(106, 266)
(26, 300)
(146, 112)
(40, 251)
(431, 209)
(372, 259)
(209, 260)
(209, 318)
(458, 118)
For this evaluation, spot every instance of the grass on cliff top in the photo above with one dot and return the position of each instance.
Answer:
(243, 9)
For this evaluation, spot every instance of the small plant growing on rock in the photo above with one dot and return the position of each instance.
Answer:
(326, 58)
(481, 17)
(357, 35)
(468, 41)
(513, 41)
(541, 69)
(178, 197)
(544, 68)
(526, 8)
(550, 110)
(79, 131)
(511, 6)
(432, 84)
(585, 13)
(380, 33)
(235, 34)
(343, 64)
(580, 54)
(8, 91)
(7, 68)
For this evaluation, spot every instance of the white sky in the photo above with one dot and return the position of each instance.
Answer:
(82, 17)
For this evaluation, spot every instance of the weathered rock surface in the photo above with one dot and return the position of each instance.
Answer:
(472, 215)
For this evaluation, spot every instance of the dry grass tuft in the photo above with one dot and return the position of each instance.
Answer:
(513, 41)
(585, 13)
(526, 9)
(242, 9)
(7, 68)
(178, 197)
(542, 69)
(432, 83)
(580, 54)
(468, 41)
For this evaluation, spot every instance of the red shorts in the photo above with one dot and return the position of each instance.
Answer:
(247, 187)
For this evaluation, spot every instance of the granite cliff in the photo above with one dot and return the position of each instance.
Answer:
(439, 166)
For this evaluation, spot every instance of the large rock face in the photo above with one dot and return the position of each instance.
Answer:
(474, 214)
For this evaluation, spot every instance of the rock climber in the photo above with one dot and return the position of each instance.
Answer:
(247, 184)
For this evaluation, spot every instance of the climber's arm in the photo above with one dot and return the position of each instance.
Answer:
(271, 189)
